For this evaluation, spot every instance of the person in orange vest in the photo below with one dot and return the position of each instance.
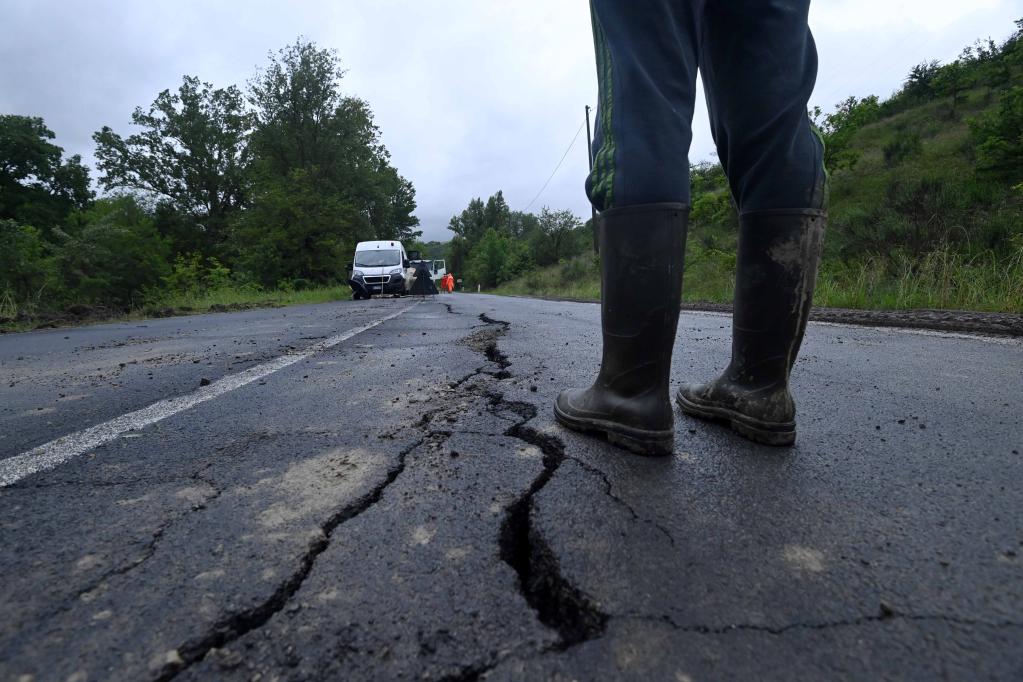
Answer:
(448, 283)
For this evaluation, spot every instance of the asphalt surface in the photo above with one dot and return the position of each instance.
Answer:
(395, 501)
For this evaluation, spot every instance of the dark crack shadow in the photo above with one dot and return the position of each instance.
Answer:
(558, 604)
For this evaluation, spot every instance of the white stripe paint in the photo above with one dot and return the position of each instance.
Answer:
(58, 451)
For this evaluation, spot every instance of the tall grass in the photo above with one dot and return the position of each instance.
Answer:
(235, 296)
(229, 297)
(942, 278)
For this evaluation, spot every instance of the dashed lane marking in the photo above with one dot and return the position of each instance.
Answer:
(56, 452)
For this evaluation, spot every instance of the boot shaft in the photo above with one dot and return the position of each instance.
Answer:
(642, 249)
(776, 270)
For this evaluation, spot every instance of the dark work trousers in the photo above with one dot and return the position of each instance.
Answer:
(758, 63)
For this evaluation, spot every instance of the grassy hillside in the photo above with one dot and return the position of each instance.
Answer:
(926, 211)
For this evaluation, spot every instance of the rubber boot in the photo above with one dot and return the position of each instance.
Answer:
(776, 268)
(641, 254)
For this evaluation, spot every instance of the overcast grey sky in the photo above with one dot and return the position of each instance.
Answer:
(471, 96)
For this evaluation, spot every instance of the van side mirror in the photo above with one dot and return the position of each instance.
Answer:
(348, 267)
(405, 263)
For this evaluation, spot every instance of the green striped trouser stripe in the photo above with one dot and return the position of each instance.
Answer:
(604, 160)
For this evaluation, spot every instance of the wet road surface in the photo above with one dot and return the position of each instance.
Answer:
(377, 490)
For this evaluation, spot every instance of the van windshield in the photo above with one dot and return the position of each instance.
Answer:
(377, 258)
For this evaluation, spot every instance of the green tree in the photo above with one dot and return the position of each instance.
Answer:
(837, 129)
(999, 137)
(320, 178)
(37, 185)
(26, 268)
(557, 236)
(458, 253)
(471, 223)
(191, 154)
(111, 254)
(919, 83)
(497, 258)
(522, 225)
(953, 79)
(496, 214)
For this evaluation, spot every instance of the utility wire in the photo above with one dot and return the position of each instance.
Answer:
(563, 157)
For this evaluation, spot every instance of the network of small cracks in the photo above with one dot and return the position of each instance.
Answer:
(239, 624)
(557, 604)
(148, 550)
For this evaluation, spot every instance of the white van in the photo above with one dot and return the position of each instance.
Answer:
(379, 268)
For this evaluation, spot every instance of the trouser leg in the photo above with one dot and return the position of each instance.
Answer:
(647, 59)
(647, 54)
(759, 64)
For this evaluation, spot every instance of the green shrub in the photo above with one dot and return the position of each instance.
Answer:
(26, 266)
(900, 148)
(195, 275)
(999, 137)
(112, 255)
(576, 269)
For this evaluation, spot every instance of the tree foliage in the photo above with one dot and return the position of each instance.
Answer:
(837, 129)
(556, 236)
(111, 254)
(320, 178)
(26, 267)
(37, 185)
(999, 137)
(191, 153)
(493, 244)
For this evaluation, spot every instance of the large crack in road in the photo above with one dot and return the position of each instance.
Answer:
(484, 543)
(556, 604)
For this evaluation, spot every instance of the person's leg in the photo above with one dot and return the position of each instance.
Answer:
(759, 64)
(646, 66)
(647, 55)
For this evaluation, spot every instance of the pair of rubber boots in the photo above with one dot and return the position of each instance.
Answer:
(642, 249)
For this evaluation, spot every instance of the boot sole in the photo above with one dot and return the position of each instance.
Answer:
(768, 433)
(639, 441)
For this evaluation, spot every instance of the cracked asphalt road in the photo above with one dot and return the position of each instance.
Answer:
(402, 506)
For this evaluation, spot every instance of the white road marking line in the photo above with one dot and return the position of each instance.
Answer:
(56, 452)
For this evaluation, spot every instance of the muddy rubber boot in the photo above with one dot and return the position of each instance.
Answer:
(776, 268)
(641, 253)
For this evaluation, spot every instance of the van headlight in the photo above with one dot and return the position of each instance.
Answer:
(356, 273)
(396, 271)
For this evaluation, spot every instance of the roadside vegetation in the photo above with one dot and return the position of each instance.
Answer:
(926, 207)
(220, 196)
(226, 197)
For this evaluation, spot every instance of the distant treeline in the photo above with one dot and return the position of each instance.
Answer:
(493, 244)
(266, 187)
